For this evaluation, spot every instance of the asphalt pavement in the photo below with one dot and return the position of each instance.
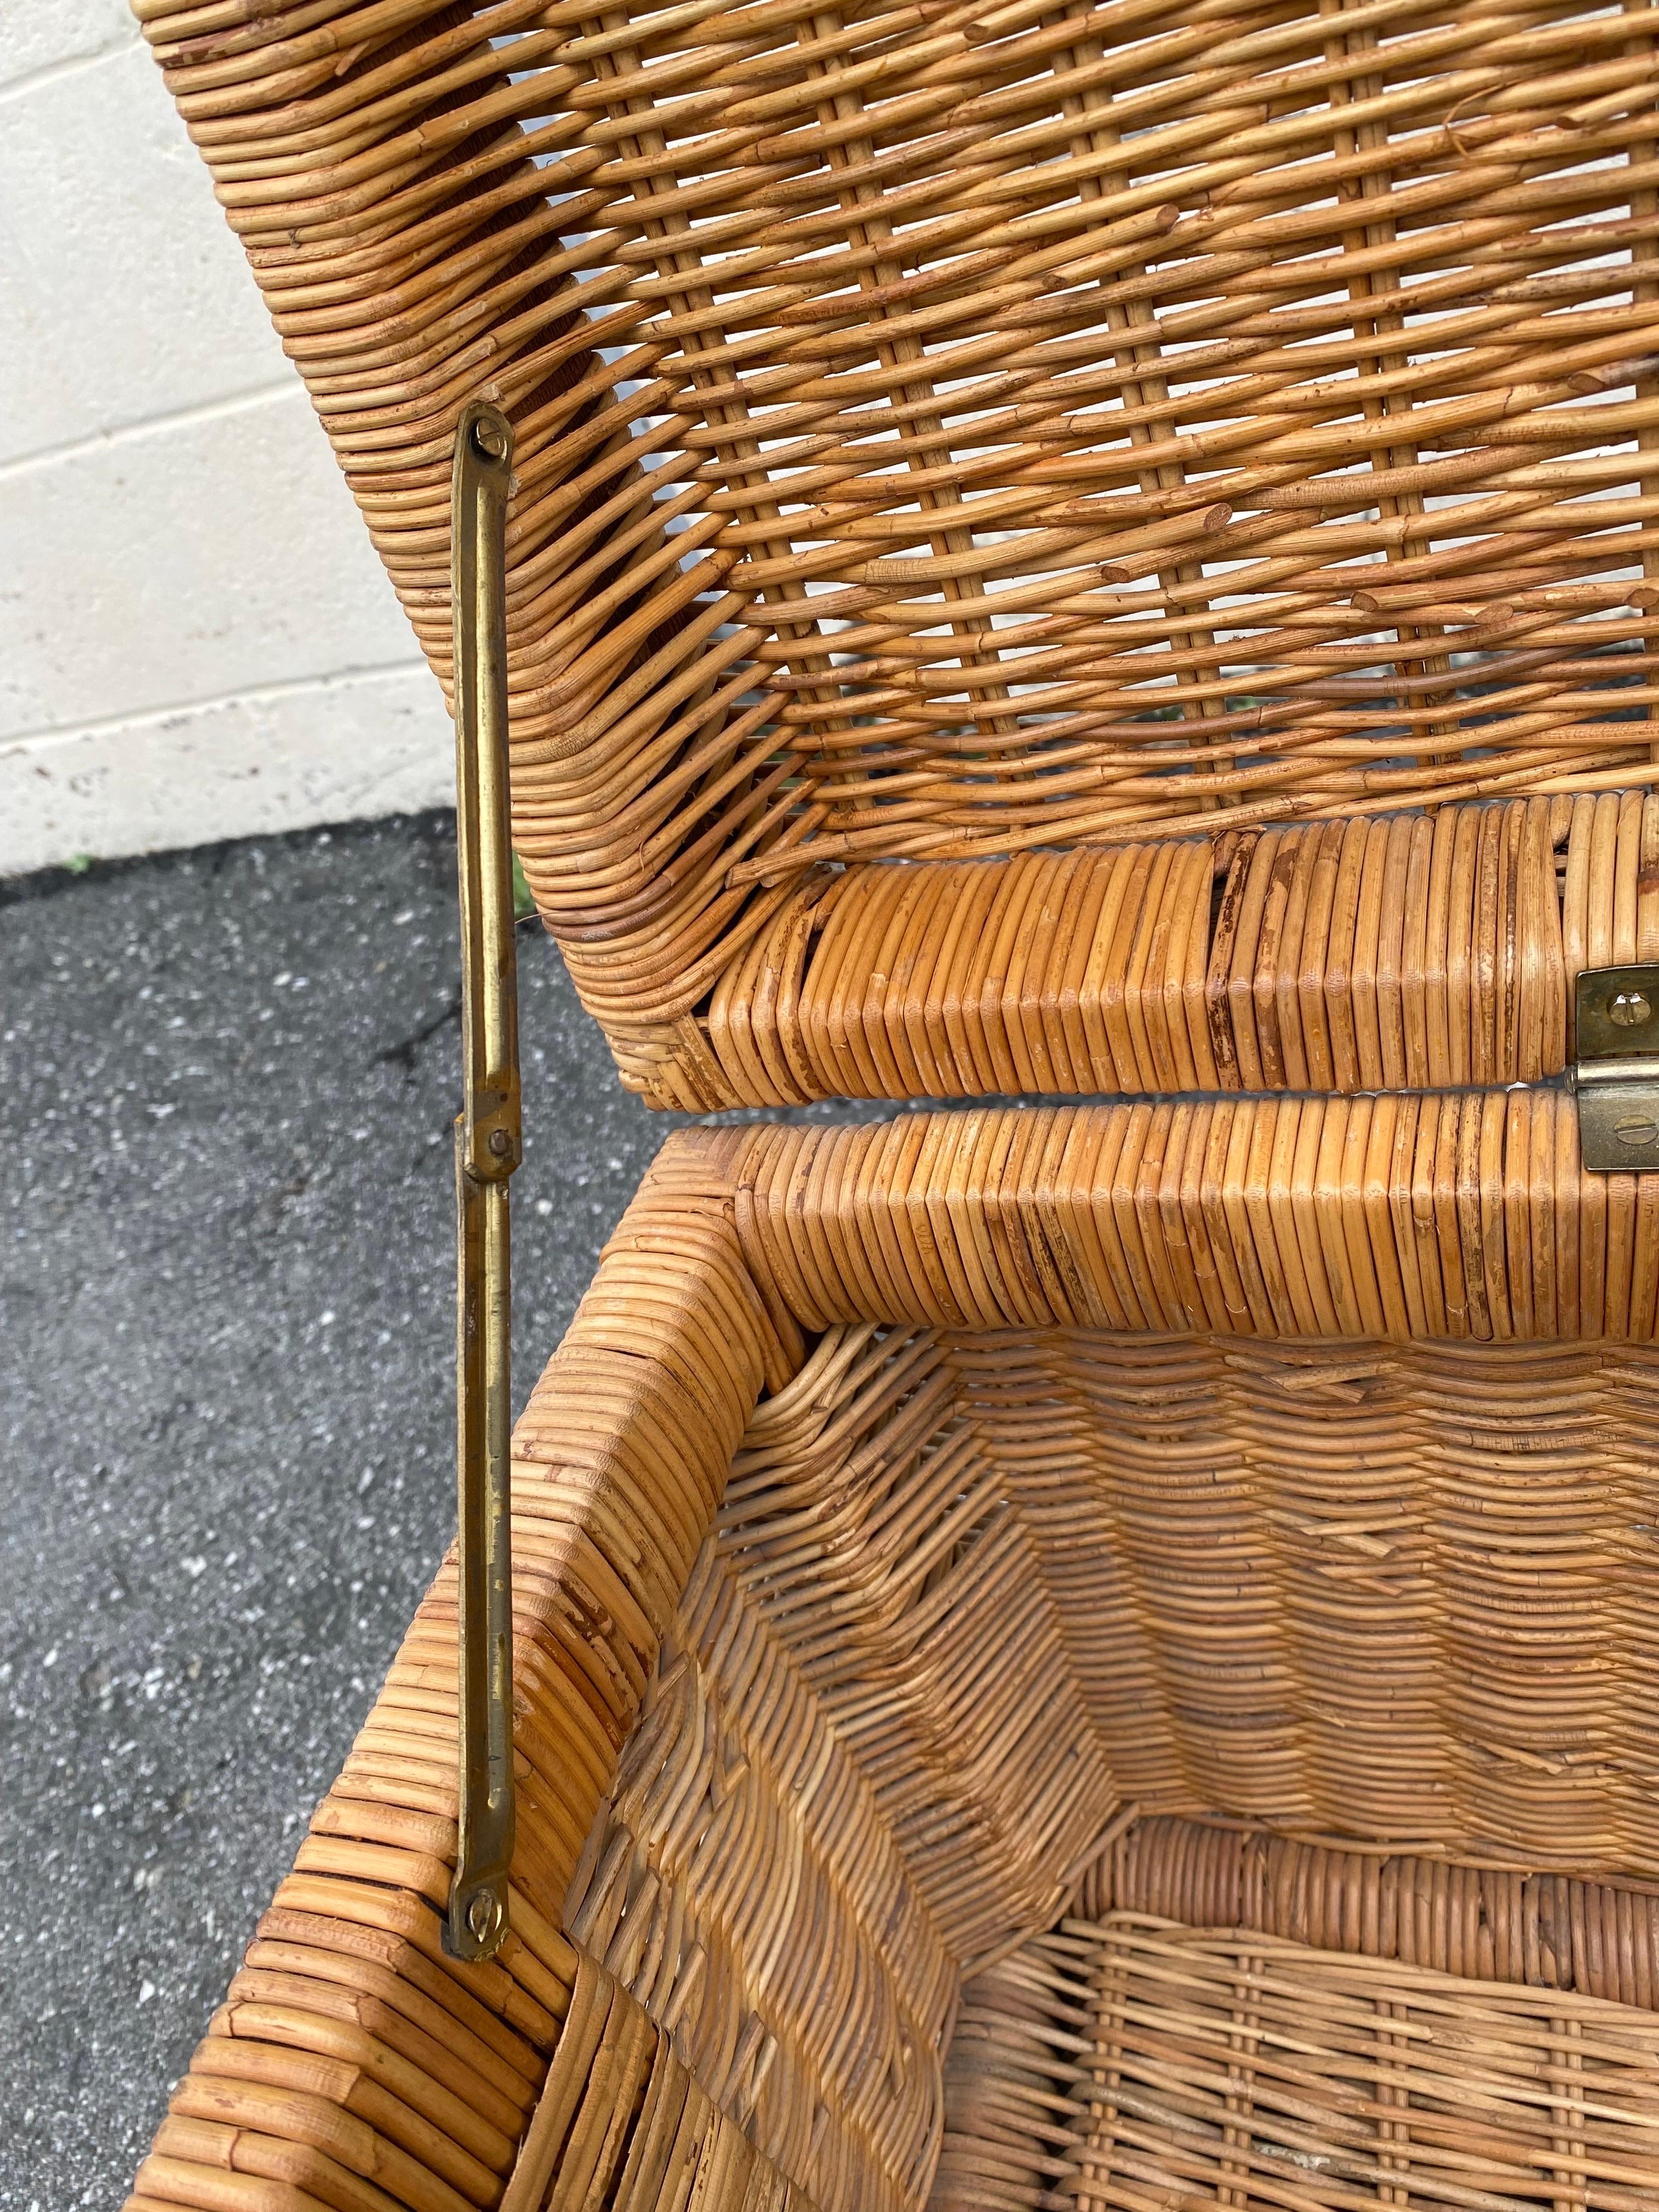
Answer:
(228, 1080)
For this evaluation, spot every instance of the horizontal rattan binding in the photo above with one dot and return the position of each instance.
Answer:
(946, 432)
(870, 1564)
(1394, 953)
(1484, 1922)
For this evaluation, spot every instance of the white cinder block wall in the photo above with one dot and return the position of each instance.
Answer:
(196, 639)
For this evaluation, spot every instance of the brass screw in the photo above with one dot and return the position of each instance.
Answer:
(481, 1917)
(1627, 1008)
(489, 439)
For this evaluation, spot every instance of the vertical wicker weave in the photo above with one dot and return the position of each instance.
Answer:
(1096, 1657)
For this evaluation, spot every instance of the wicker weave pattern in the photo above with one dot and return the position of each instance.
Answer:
(354, 2060)
(1402, 953)
(1131, 2062)
(1028, 1578)
(618, 2115)
(1439, 1217)
(741, 1819)
(870, 1531)
(945, 432)
(953, 1580)
(1490, 1923)
(1163, 1530)
(622, 2123)
(1407, 1597)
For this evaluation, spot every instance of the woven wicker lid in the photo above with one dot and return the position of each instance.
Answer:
(949, 434)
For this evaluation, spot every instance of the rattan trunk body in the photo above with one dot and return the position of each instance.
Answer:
(909, 1566)
(1079, 1654)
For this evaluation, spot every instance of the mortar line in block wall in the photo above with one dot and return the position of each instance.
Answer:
(128, 433)
(47, 738)
(51, 73)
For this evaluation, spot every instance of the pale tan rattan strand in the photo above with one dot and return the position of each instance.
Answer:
(946, 431)
(837, 1659)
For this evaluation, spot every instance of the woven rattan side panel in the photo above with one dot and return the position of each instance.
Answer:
(741, 1822)
(1412, 1595)
(968, 1593)
(831, 1805)
(354, 2064)
(623, 2123)
(1488, 1923)
(920, 1551)
(1346, 2029)
(1132, 2062)
(944, 432)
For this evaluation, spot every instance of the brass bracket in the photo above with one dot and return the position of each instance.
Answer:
(488, 1143)
(1615, 1078)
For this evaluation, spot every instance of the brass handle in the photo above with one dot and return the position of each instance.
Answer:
(486, 1150)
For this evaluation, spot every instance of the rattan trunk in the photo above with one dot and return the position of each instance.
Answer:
(919, 1541)
(1069, 1655)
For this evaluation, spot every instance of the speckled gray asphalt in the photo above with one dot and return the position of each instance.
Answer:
(227, 1084)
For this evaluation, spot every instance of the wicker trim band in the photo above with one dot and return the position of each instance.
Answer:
(1490, 1922)
(1403, 953)
(1462, 1218)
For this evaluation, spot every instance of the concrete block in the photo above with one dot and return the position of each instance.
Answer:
(57, 34)
(186, 564)
(197, 641)
(123, 294)
(321, 750)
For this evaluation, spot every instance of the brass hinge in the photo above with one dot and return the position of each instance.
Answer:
(1615, 1077)
(487, 1148)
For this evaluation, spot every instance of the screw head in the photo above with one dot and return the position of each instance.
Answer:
(501, 1144)
(1627, 1008)
(1640, 1131)
(489, 439)
(482, 1915)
